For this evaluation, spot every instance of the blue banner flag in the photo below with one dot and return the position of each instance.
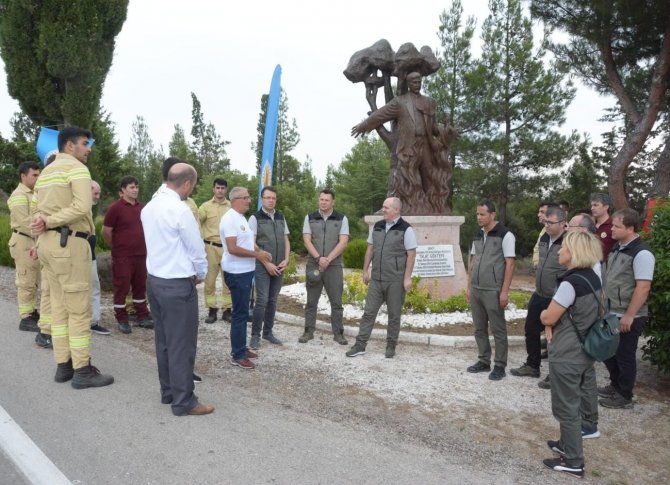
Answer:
(270, 135)
(47, 143)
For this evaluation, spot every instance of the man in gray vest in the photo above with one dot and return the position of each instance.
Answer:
(490, 276)
(387, 270)
(630, 270)
(325, 234)
(271, 231)
(546, 281)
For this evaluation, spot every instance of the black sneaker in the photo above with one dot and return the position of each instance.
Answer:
(255, 342)
(479, 367)
(306, 337)
(43, 340)
(559, 465)
(196, 378)
(545, 384)
(497, 373)
(272, 339)
(355, 351)
(525, 371)
(607, 391)
(147, 323)
(29, 324)
(125, 328)
(588, 434)
(616, 402)
(556, 447)
(99, 329)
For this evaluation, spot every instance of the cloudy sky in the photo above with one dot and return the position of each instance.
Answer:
(225, 52)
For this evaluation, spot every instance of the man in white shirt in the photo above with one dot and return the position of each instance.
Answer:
(239, 255)
(176, 263)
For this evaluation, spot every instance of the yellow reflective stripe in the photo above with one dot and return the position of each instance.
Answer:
(78, 174)
(210, 301)
(45, 318)
(26, 308)
(59, 330)
(80, 342)
(47, 180)
(17, 200)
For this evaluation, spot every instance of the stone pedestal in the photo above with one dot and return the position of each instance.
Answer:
(438, 231)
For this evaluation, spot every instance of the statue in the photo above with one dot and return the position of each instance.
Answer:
(420, 165)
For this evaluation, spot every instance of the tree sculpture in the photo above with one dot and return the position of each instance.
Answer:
(420, 170)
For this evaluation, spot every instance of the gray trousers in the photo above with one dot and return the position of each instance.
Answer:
(267, 289)
(333, 280)
(485, 306)
(174, 309)
(393, 294)
(574, 404)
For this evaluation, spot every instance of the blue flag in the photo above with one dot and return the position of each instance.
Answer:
(47, 143)
(270, 135)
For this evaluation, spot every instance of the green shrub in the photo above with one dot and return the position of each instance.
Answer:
(100, 244)
(291, 271)
(519, 299)
(354, 289)
(354, 254)
(5, 234)
(657, 348)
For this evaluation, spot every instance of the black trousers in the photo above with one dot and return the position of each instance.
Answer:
(623, 366)
(534, 328)
(174, 309)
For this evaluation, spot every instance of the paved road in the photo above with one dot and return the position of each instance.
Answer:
(123, 434)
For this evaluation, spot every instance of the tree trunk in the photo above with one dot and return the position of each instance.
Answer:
(661, 186)
(642, 123)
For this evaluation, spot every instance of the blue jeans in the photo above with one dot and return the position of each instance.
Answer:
(240, 292)
(267, 289)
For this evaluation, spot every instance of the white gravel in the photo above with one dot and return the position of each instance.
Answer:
(417, 320)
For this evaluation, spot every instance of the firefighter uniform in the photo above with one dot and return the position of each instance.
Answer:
(209, 216)
(63, 194)
(20, 244)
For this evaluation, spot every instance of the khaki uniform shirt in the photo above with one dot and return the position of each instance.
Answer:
(19, 209)
(63, 194)
(209, 215)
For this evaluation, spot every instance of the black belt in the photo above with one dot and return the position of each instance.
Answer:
(212, 243)
(70, 232)
(22, 233)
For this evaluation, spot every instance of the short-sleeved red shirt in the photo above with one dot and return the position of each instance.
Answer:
(127, 232)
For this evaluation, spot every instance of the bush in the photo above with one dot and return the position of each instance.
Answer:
(100, 244)
(354, 254)
(657, 348)
(519, 299)
(291, 271)
(5, 234)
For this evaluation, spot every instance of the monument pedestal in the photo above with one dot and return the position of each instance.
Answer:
(439, 260)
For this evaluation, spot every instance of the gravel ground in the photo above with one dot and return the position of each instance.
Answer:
(425, 396)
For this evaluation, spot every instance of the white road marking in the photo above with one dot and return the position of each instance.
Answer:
(26, 455)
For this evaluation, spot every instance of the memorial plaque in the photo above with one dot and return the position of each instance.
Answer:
(434, 261)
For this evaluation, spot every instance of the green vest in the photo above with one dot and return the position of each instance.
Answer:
(620, 279)
(488, 272)
(548, 268)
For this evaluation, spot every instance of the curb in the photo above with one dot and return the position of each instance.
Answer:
(459, 342)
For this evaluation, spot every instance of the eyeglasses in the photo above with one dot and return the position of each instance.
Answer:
(551, 223)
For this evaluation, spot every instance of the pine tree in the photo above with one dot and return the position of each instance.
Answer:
(57, 54)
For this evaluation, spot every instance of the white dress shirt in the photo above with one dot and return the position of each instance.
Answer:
(172, 236)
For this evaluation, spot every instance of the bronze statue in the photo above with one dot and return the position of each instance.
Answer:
(420, 165)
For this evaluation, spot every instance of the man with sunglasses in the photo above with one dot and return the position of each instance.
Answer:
(546, 281)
